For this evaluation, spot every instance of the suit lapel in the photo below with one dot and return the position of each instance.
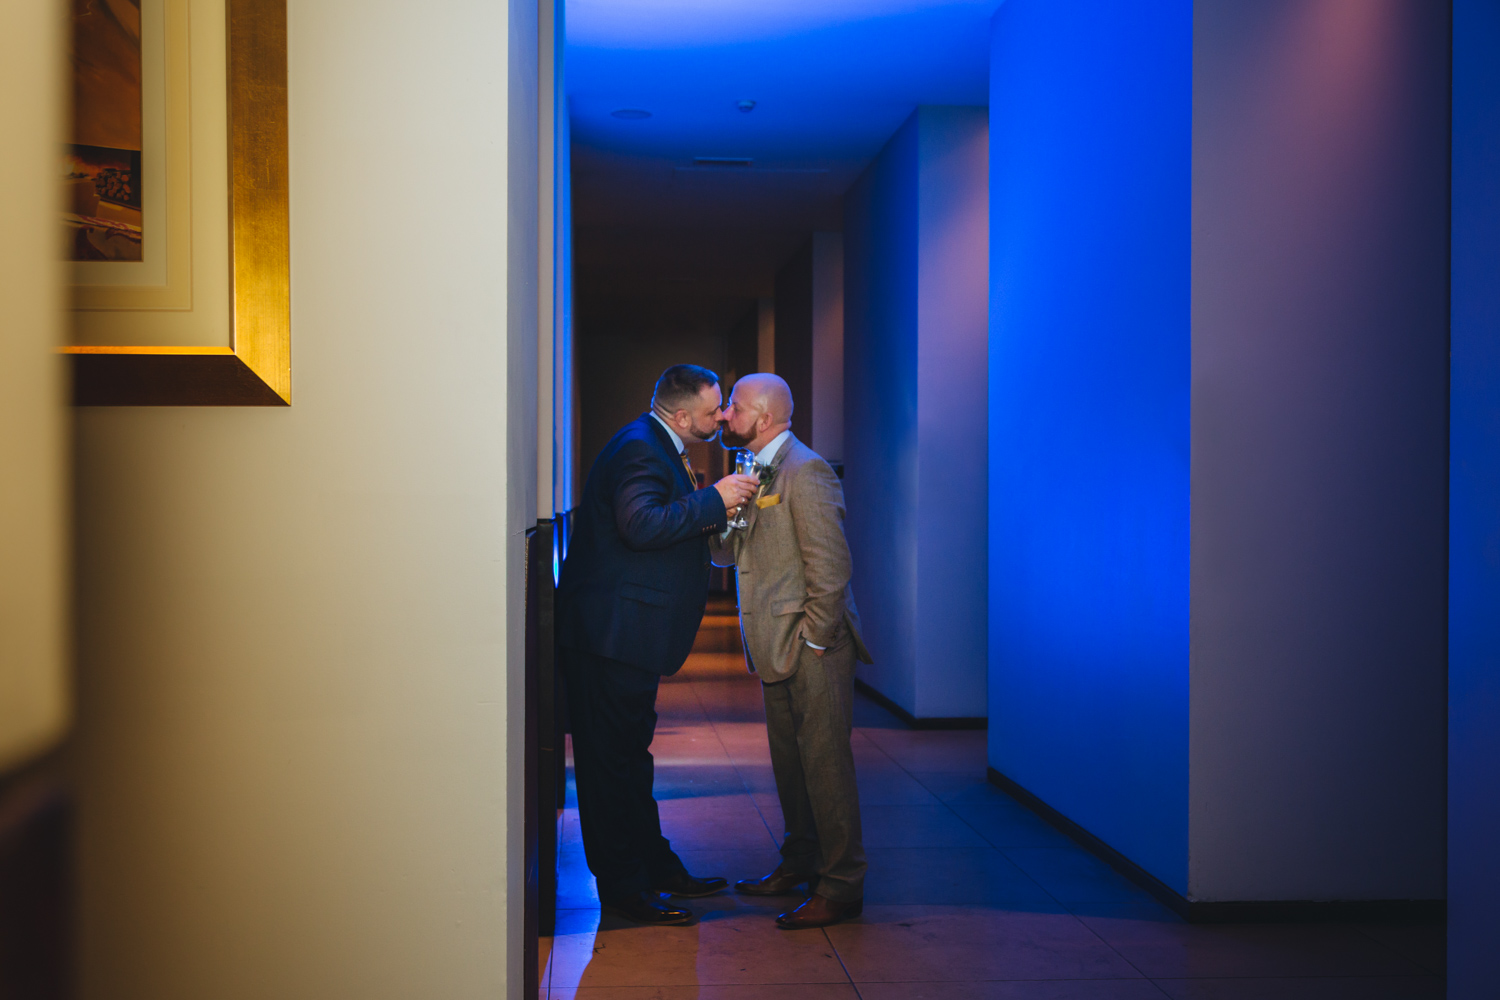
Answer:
(778, 460)
(673, 456)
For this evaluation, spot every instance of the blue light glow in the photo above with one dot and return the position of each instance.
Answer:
(1090, 124)
(831, 80)
(662, 24)
(1474, 581)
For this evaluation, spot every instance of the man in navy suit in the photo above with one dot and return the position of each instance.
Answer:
(629, 603)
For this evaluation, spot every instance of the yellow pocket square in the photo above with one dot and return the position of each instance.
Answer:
(770, 501)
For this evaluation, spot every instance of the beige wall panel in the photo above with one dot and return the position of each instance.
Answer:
(300, 627)
(33, 504)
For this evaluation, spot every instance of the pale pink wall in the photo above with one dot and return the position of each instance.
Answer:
(1319, 483)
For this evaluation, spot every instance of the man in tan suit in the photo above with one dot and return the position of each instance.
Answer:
(802, 638)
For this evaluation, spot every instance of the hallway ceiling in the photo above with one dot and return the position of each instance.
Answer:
(832, 81)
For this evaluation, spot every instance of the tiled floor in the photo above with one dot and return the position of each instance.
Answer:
(970, 896)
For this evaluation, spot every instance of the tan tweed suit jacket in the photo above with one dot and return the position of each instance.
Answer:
(793, 566)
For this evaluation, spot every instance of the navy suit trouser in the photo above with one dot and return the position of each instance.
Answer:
(612, 711)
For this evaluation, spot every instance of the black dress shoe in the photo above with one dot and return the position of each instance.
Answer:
(646, 908)
(691, 887)
(778, 883)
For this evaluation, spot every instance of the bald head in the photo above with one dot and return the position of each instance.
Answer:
(770, 394)
(759, 409)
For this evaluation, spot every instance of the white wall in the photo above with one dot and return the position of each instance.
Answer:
(567, 483)
(551, 105)
(952, 391)
(915, 347)
(555, 375)
(34, 704)
(765, 335)
(828, 345)
(1220, 248)
(299, 752)
(1319, 475)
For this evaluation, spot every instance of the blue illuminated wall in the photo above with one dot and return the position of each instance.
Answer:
(915, 272)
(1474, 574)
(1090, 116)
(1217, 435)
(880, 408)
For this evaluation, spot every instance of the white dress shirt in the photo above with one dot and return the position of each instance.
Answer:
(767, 453)
(676, 439)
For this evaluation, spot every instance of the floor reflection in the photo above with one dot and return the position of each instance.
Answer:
(969, 896)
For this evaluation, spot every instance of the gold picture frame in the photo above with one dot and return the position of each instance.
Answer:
(256, 369)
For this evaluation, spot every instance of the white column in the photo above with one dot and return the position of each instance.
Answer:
(765, 335)
(828, 346)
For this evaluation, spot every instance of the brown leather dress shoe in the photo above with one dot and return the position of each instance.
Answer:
(819, 911)
(778, 883)
(646, 908)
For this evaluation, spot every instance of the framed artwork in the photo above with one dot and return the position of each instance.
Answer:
(176, 212)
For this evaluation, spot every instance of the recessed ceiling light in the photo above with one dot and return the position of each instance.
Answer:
(746, 105)
(631, 113)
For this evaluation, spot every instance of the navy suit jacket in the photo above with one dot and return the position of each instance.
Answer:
(635, 581)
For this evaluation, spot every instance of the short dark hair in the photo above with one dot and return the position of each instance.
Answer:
(680, 385)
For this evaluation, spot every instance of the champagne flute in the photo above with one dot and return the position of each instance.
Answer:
(744, 465)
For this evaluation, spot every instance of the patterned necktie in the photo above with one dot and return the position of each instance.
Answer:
(688, 465)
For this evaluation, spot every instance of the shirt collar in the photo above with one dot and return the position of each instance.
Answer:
(766, 454)
(676, 438)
